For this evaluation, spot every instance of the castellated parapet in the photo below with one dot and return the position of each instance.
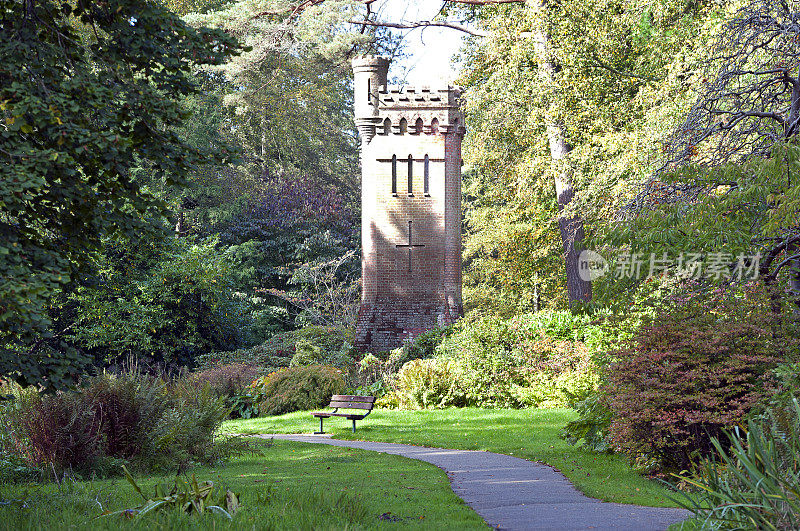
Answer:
(411, 206)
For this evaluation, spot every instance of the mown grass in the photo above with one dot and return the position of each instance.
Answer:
(530, 433)
(289, 486)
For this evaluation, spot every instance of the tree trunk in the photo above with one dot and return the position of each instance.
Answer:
(571, 227)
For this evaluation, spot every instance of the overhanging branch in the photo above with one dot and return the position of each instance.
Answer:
(421, 24)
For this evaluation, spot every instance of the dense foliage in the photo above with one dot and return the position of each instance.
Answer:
(146, 422)
(168, 304)
(298, 389)
(332, 345)
(88, 92)
(533, 360)
(696, 370)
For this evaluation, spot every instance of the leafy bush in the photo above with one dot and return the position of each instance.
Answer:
(130, 418)
(231, 382)
(591, 426)
(754, 480)
(524, 361)
(425, 384)
(424, 345)
(690, 374)
(318, 344)
(226, 380)
(124, 407)
(298, 389)
(185, 433)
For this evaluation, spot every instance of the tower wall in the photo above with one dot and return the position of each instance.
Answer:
(411, 236)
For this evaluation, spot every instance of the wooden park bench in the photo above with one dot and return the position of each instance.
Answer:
(346, 402)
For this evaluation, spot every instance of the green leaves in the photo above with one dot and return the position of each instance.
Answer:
(187, 495)
(753, 481)
(83, 104)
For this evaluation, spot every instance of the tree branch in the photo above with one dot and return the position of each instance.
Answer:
(600, 64)
(485, 2)
(420, 24)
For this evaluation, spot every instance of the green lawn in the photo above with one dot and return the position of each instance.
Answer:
(529, 433)
(290, 486)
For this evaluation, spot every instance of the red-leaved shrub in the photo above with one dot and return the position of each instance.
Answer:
(691, 373)
(58, 431)
(227, 380)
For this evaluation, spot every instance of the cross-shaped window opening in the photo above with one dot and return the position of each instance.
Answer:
(410, 245)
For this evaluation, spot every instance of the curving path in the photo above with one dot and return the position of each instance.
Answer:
(512, 493)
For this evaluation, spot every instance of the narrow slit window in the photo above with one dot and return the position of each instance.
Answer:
(369, 91)
(426, 183)
(394, 174)
(410, 175)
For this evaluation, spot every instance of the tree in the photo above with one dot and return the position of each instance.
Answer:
(293, 83)
(736, 154)
(88, 93)
(614, 77)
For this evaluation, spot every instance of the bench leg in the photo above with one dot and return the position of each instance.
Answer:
(354, 425)
(320, 432)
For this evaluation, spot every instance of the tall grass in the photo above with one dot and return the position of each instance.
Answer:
(144, 421)
(754, 483)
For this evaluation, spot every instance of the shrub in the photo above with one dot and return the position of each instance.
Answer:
(306, 353)
(692, 373)
(325, 344)
(130, 418)
(591, 426)
(58, 432)
(426, 384)
(424, 345)
(231, 382)
(298, 389)
(524, 361)
(226, 380)
(753, 482)
(123, 409)
(185, 433)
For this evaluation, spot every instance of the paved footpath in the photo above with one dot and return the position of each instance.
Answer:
(512, 493)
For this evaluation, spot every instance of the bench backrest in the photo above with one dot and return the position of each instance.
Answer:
(352, 402)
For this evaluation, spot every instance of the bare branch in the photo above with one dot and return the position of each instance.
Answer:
(747, 104)
(420, 24)
(485, 2)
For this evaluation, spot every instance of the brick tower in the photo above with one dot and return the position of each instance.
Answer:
(411, 207)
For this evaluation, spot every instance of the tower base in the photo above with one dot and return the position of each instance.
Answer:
(384, 326)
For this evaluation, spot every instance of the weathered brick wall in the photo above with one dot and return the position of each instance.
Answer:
(408, 286)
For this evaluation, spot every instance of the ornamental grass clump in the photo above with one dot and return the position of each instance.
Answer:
(753, 482)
